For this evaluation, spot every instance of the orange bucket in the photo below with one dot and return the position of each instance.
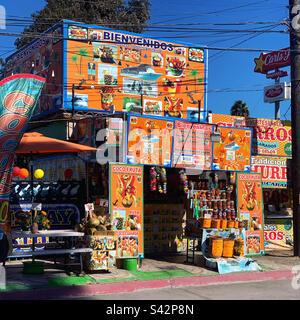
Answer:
(201, 221)
(216, 223)
(228, 248)
(230, 224)
(215, 247)
(236, 224)
(223, 224)
(206, 223)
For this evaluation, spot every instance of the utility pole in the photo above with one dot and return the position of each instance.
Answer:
(294, 8)
(277, 103)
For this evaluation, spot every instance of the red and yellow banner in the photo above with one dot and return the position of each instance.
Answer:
(233, 152)
(149, 141)
(127, 208)
(250, 209)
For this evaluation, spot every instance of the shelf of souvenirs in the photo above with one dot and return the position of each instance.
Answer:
(211, 195)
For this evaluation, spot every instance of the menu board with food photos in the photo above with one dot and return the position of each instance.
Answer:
(250, 209)
(126, 201)
(192, 145)
(103, 256)
(233, 152)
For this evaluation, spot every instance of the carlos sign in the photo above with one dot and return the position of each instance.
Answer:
(272, 60)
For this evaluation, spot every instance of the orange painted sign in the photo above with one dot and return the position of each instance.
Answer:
(250, 209)
(270, 137)
(226, 120)
(127, 209)
(149, 141)
(233, 152)
(135, 74)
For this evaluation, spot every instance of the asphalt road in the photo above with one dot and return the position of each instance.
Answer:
(254, 290)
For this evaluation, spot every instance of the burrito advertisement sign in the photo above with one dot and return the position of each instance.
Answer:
(126, 198)
(18, 97)
(275, 171)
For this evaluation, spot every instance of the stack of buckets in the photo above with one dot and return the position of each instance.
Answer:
(220, 247)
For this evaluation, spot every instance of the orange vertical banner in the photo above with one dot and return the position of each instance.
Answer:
(127, 208)
(250, 209)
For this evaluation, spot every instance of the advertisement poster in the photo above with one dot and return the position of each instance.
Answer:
(192, 145)
(126, 198)
(149, 141)
(275, 171)
(278, 234)
(115, 129)
(233, 152)
(226, 120)
(135, 74)
(250, 209)
(103, 256)
(270, 137)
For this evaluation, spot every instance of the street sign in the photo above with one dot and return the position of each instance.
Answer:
(277, 74)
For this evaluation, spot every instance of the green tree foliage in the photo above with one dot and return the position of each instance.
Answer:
(240, 108)
(131, 15)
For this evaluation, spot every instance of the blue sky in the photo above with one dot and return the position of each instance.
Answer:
(231, 74)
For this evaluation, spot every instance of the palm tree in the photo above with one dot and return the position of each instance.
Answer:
(82, 53)
(239, 108)
(194, 73)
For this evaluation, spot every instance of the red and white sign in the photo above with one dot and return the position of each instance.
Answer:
(277, 74)
(272, 60)
(277, 92)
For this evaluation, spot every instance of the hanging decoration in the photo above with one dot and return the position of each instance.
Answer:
(24, 173)
(162, 180)
(153, 179)
(184, 181)
(16, 172)
(39, 173)
(158, 180)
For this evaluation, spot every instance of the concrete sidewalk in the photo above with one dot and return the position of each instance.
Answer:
(157, 272)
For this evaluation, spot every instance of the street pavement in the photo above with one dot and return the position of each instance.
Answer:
(255, 290)
(162, 274)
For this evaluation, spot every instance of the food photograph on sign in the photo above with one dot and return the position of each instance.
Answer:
(128, 246)
(233, 152)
